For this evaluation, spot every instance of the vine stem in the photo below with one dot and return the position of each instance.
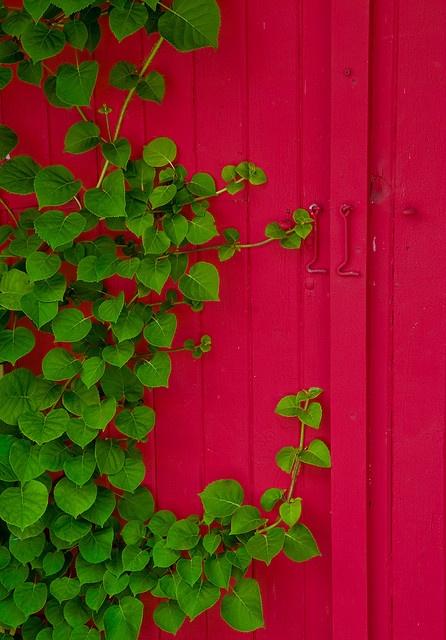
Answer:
(148, 61)
(9, 210)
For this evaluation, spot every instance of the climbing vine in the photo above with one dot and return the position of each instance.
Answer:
(80, 538)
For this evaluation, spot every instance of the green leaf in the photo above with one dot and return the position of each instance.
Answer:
(212, 541)
(156, 372)
(30, 597)
(82, 136)
(290, 511)
(114, 584)
(17, 175)
(23, 505)
(134, 532)
(49, 89)
(242, 609)
(58, 229)
(53, 561)
(152, 87)
(98, 416)
(70, 529)
(65, 588)
(28, 549)
(36, 8)
(70, 325)
(109, 201)
(117, 152)
(102, 508)
(25, 460)
(273, 230)
(72, 6)
(95, 596)
(43, 428)
(15, 344)
(201, 283)
(266, 546)
(161, 329)
(134, 558)
(299, 544)
(121, 383)
(222, 497)
(118, 354)
(138, 505)
(76, 614)
(191, 26)
(190, 569)
(176, 228)
(75, 84)
(292, 241)
(16, 22)
(287, 406)
(162, 195)
(160, 152)
(16, 394)
(72, 498)
(10, 52)
(10, 614)
(183, 534)
(127, 19)
(30, 72)
(137, 423)
(60, 364)
(312, 416)
(218, 570)
(123, 621)
(40, 265)
(109, 456)
(51, 289)
(202, 184)
(109, 310)
(124, 75)
(270, 498)
(130, 476)
(41, 42)
(8, 141)
(80, 468)
(168, 616)
(194, 600)
(92, 370)
(96, 268)
(153, 273)
(317, 454)
(55, 185)
(76, 33)
(202, 229)
(285, 458)
(96, 546)
(13, 285)
(244, 519)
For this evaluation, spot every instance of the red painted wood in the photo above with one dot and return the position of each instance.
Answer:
(348, 392)
(335, 115)
(419, 327)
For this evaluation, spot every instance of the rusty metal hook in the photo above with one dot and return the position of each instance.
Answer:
(345, 210)
(315, 210)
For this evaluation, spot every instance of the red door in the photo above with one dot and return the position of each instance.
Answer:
(342, 104)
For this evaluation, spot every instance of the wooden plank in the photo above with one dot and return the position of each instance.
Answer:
(382, 156)
(313, 172)
(349, 186)
(419, 326)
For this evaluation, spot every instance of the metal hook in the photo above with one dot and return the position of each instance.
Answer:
(315, 210)
(345, 210)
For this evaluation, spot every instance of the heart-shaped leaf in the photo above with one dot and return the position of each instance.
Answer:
(188, 26)
(109, 201)
(201, 283)
(75, 83)
(55, 185)
(15, 344)
(24, 505)
(43, 428)
(57, 229)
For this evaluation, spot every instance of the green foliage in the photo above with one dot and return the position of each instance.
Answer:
(80, 537)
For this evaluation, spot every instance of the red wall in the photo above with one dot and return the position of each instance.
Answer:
(342, 103)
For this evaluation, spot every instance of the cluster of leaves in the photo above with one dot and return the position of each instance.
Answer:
(79, 536)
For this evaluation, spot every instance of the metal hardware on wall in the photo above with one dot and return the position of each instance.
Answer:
(315, 210)
(345, 211)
